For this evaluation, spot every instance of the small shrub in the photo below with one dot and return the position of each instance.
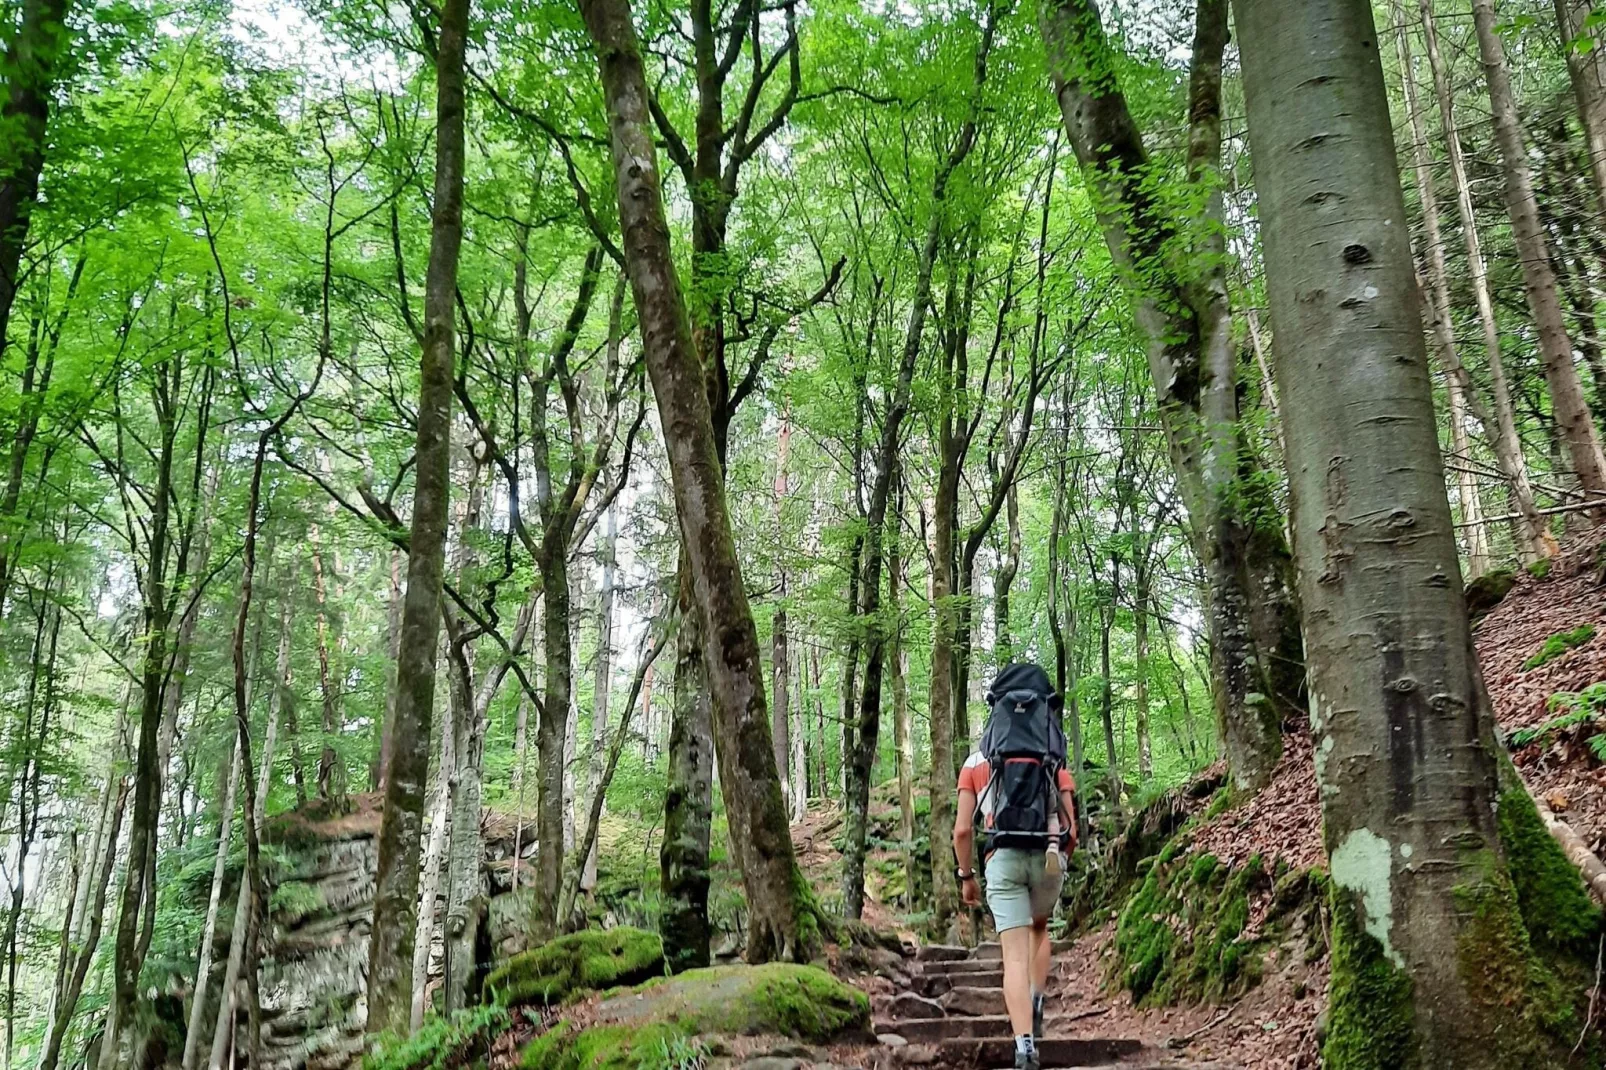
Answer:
(441, 1043)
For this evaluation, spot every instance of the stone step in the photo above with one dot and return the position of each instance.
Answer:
(973, 1001)
(936, 1030)
(958, 966)
(992, 952)
(937, 984)
(942, 953)
(999, 1053)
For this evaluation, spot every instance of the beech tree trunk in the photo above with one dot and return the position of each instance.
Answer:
(601, 681)
(395, 923)
(781, 913)
(1186, 323)
(902, 728)
(1574, 422)
(1533, 536)
(1405, 741)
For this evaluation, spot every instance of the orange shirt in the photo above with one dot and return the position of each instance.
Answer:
(977, 773)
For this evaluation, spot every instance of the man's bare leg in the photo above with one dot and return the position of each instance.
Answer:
(1041, 948)
(1017, 949)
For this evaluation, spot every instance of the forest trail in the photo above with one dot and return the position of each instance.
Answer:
(951, 1016)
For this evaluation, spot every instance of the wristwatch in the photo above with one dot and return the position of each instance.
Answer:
(962, 875)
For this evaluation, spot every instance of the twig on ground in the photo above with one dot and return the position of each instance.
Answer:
(1594, 994)
(1176, 1043)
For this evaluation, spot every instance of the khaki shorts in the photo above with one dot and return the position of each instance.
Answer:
(1018, 890)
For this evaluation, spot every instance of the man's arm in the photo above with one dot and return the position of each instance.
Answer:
(964, 838)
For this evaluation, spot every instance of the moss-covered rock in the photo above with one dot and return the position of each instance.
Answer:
(580, 962)
(1489, 590)
(648, 1026)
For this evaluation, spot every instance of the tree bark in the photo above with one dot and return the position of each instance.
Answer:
(38, 49)
(429, 878)
(1534, 538)
(782, 918)
(602, 679)
(683, 858)
(1573, 419)
(1405, 741)
(1586, 67)
(396, 881)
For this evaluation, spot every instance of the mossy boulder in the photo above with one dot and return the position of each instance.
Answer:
(580, 962)
(1489, 590)
(645, 1027)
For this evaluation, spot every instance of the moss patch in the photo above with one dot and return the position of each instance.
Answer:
(1556, 908)
(1180, 936)
(1559, 644)
(644, 1029)
(1370, 1013)
(1527, 1010)
(580, 962)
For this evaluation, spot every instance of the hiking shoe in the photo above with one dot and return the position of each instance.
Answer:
(1039, 1003)
(1053, 862)
(1027, 1060)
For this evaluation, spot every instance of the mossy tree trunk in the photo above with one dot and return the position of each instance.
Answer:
(782, 919)
(396, 882)
(683, 858)
(1185, 321)
(1432, 963)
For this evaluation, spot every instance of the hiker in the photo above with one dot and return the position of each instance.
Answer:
(1018, 783)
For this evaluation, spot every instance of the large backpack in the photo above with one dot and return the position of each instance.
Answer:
(1024, 745)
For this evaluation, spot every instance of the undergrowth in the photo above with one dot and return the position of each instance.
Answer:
(1558, 644)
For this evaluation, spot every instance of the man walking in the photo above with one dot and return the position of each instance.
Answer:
(1017, 782)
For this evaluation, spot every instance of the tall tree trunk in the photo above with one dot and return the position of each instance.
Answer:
(939, 703)
(379, 765)
(203, 969)
(1407, 752)
(1140, 683)
(781, 913)
(551, 736)
(239, 937)
(429, 878)
(396, 882)
(465, 890)
(1458, 384)
(601, 681)
(866, 740)
(1533, 537)
(1186, 325)
(1112, 759)
(902, 728)
(330, 776)
(1573, 419)
(1587, 69)
(39, 47)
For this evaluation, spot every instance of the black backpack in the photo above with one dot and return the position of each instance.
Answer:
(1024, 745)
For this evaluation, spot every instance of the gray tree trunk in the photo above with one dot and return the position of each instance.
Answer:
(1586, 66)
(1405, 741)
